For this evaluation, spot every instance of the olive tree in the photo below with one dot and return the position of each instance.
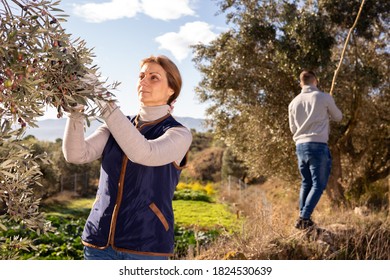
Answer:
(40, 66)
(250, 75)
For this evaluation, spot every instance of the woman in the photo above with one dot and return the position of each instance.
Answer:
(142, 157)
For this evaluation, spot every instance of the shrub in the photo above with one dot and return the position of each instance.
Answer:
(63, 244)
(209, 189)
(185, 238)
(196, 186)
(206, 165)
(194, 191)
(187, 194)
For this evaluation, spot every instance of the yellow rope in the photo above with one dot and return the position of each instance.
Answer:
(345, 47)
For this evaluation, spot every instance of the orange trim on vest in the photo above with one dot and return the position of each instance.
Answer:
(160, 215)
(129, 251)
(118, 201)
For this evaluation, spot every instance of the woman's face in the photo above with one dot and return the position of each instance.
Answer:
(152, 86)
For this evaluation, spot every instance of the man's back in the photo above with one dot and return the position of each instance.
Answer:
(309, 115)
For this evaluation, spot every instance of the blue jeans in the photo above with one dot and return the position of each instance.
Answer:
(111, 254)
(314, 162)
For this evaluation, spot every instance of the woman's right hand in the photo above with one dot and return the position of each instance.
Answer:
(78, 108)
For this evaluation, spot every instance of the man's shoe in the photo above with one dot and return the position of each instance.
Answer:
(304, 223)
(298, 223)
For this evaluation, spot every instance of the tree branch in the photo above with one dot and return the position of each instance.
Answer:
(345, 47)
(7, 8)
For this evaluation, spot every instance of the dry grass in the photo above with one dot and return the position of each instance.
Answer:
(268, 232)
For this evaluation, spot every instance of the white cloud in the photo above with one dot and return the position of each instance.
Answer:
(189, 34)
(166, 9)
(99, 12)
(117, 9)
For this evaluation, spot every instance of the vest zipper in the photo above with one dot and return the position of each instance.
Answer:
(118, 201)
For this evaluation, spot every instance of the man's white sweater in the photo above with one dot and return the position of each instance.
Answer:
(309, 115)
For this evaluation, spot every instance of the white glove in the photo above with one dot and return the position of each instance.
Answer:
(92, 80)
(106, 106)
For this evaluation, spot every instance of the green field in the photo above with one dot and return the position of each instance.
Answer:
(74, 208)
(196, 222)
(204, 215)
(188, 213)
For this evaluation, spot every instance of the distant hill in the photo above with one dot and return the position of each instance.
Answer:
(52, 129)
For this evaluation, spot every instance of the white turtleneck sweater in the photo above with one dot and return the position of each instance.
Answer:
(172, 146)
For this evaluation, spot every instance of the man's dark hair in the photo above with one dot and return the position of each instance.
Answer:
(307, 77)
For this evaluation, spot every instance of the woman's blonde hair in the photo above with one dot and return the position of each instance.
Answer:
(173, 73)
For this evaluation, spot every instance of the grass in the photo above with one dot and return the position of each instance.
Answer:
(188, 213)
(75, 208)
(268, 232)
(82, 203)
(204, 215)
(197, 223)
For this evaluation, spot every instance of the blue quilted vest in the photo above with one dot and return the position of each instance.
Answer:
(133, 208)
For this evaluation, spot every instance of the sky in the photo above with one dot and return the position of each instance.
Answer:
(122, 32)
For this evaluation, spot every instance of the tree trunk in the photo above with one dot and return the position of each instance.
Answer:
(388, 203)
(334, 189)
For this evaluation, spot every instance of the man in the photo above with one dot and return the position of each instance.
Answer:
(309, 115)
